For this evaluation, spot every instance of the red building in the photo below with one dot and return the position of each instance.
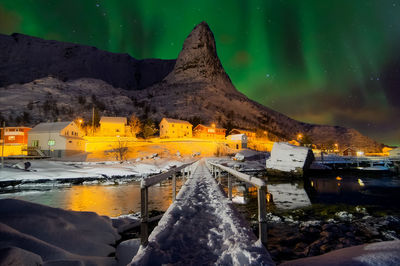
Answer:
(212, 132)
(15, 135)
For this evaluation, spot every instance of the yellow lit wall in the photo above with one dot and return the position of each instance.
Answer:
(13, 150)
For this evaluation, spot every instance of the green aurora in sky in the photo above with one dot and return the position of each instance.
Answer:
(328, 62)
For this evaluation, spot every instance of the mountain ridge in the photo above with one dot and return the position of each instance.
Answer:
(197, 86)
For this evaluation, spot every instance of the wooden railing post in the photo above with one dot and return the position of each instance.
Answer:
(219, 177)
(262, 211)
(144, 215)
(173, 187)
(229, 186)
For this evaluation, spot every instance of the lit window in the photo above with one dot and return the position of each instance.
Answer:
(51, 142)
(11, 137)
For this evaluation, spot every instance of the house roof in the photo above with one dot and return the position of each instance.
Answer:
(242, 130)
(201, 125)
(49, 127)
(176, 121)
(113, 120)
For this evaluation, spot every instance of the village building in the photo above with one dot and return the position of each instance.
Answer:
(237, 141)
(349, 152)
(58, 139)
(251, 135)
(15, 140)
(209, 132)
(395, 153)
(113, 126)
(175, 128)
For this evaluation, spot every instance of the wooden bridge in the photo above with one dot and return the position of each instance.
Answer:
(202, 225)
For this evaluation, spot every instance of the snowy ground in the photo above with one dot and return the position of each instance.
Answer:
(382, 253)
(54, 170)
(202, 227)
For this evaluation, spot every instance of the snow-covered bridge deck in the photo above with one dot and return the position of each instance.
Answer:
(202, 227)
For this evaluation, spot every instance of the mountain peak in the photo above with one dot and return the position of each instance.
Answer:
(198, 59)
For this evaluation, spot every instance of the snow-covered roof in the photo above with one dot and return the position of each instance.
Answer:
(113, 120)
(176, 121)
(49, 127)
(286, 157)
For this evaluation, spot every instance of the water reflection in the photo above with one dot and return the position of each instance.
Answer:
(110, 200)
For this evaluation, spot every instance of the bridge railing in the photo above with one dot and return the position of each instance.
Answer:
(217, 169)
(186, 170)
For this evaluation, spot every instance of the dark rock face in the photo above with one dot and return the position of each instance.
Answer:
(24, 58)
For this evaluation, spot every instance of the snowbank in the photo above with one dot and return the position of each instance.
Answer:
(289, 158)
(382, 253)
(55, 234)
(56, 170)
(202, 228)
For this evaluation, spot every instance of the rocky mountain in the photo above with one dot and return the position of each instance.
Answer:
(24, 58)
(195, 87)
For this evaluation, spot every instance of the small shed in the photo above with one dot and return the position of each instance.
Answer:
(290, 159)
(349, 152)
(395, 153)
(237, 141)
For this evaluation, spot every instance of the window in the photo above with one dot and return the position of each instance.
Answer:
(11, 137)
(117, 130)
(162, 126)
(173, 125)
(70, 141)
(51, 142)
(35, 143)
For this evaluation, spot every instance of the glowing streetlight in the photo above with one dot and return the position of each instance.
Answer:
(213, 125)
(299, 136)
(80, 121)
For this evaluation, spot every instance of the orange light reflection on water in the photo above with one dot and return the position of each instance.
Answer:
(115, 200)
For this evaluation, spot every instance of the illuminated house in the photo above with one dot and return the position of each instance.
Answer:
(251, 135)
(175, 128)
(395, 153)
(237, 141)
(15, 140)
(349, 152)
(212, 132)
(113, 126)
(56, 139)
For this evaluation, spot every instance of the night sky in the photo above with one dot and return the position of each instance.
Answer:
(328, 62)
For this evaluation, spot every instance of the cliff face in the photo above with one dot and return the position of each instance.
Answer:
(24, 58)
(196, 85)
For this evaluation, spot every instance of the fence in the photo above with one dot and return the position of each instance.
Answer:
(186, 170)
(217, 169)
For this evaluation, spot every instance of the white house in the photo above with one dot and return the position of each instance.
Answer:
(57, 139)
(395, 153)
(237, 141)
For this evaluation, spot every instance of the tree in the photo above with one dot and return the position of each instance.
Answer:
(134, 125)
(119, 151)
(149, 129)
(306, 140)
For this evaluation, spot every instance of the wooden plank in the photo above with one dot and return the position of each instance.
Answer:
(241, 176)
(144, 215)
(173, 187)
(229, 186)
(152, 180)
(262, 211)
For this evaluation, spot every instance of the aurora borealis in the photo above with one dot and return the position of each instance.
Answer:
(331, 62)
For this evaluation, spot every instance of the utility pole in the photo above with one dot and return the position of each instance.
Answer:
(93, 122)
(2, 146)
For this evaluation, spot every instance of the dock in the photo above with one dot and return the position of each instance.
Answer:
(202, 227)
